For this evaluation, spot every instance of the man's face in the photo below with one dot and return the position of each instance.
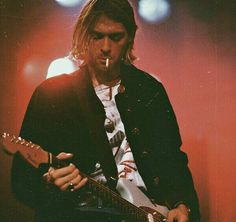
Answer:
(109, 40)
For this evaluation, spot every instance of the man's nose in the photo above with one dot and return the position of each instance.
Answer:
(106, 45)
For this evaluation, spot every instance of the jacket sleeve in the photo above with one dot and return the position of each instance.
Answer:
(27, 182)
(176, 177)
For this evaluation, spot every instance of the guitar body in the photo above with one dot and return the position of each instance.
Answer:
(130, 192)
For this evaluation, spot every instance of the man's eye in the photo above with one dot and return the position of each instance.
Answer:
(97, 36)
(116, 37)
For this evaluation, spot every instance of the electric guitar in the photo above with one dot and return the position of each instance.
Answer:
(130, 200)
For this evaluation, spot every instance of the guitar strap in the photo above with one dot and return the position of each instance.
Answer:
(94, 116)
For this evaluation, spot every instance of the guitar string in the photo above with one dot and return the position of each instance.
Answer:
(121, 200)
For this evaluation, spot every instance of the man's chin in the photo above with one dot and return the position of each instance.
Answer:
(103, 68)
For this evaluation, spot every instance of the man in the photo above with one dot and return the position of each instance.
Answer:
(110, 120)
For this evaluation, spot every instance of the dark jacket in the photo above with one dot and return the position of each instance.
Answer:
(65, 115)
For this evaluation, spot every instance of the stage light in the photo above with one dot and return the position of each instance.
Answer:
(154, 11)
(61, 66)
(69, 3)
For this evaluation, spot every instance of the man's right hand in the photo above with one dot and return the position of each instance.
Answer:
(66, 178)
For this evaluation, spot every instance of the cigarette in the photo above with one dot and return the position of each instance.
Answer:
(107, 62)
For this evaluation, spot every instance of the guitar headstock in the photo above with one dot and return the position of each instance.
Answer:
(33, 153)
(9, 143)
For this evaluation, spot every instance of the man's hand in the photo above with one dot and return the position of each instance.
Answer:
(66, 178)
(179, 214)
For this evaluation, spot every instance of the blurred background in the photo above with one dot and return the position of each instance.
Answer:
(189, 45)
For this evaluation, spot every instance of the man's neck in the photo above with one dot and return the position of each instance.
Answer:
(107, 77)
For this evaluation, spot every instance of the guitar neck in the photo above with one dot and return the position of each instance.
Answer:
(36, 155)
(133, 212)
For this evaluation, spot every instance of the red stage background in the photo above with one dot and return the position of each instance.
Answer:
(192, 53)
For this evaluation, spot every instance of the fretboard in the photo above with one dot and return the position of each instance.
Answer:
(134, 213)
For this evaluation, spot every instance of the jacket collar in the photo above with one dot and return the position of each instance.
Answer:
(93, 113)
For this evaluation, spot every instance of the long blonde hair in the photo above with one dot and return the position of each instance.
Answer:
(118, 10)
